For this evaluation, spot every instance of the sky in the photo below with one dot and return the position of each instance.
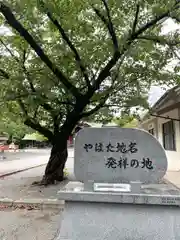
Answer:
(155, 93)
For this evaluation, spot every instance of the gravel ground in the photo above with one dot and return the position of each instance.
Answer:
(19, 186)
(29, 225)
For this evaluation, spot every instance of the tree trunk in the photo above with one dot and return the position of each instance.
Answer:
(9, 139)
(54, 169)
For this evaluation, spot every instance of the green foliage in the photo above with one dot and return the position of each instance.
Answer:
(40, 95)
(127, 121)
(11, 123)
(104, 115)
(66, 173)
(14, 130)
(35, 137)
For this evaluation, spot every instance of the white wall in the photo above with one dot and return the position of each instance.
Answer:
(173, 156)
(173, 160)
(156, 123)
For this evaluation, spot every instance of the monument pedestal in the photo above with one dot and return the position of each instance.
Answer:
(110, 221)
(101, 208)
(97, 215)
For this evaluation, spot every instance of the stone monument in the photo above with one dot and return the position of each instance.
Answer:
(112, 165)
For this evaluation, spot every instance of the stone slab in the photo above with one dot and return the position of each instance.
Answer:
(107, 221)
(152, 189)
(113, 197)
(118, 155)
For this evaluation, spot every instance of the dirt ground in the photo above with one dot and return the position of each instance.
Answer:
(22, 224)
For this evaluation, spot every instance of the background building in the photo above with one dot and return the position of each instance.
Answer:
(163, 122)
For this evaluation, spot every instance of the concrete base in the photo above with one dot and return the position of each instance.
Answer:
(75, 192)
(104, 215)
(110, 221)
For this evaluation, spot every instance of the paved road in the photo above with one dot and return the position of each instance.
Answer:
(21, 160)
(24, 154)
(15, 161)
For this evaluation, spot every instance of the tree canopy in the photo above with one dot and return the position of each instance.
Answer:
(61, 51)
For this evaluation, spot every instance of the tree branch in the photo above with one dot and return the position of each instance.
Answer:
(71, 46)
(15, 24)
(111, 27)
(19, 62)
(10, 52)
(4, 74)
(24, 95)
(22, 64)
(154, 21)
(105, 72)
(36, 112)
(100, 105)
(136, 19)
(95, 109)
(175, 53)
(36, 126)
(33, 124)
(108, 23)
(24, 57)
(159, 40)
(28, 77)
(45, 105)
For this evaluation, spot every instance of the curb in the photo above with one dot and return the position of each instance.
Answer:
(22, 170)
(32, 204)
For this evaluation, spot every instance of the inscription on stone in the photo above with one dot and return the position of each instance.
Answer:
(170, 200)
(121, 148)
(118, 155)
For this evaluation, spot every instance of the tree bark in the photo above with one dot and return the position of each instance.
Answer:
(55, 168)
